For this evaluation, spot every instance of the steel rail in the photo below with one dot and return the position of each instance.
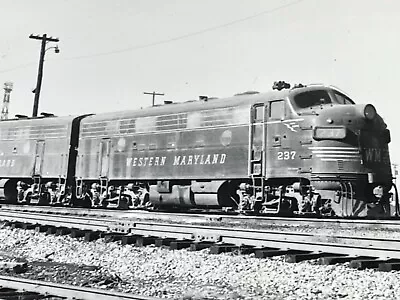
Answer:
(84, 223)
(66, 291)
(391, 224)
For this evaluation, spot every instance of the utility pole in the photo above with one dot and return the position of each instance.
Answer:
(44, 39)
(154, 95)
(8, 86)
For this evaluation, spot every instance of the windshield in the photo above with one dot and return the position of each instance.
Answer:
(320, 97)
(312, 98)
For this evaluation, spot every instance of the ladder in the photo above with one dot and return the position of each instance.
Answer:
(257, 145)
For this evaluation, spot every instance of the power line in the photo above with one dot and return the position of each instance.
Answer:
(181, 37)
(18, 67)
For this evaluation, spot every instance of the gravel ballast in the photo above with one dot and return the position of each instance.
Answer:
(182, 274)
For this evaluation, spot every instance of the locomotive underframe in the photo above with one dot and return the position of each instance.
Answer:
(355, 197)
(345, 198)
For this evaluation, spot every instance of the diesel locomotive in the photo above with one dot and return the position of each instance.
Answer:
(302, 150)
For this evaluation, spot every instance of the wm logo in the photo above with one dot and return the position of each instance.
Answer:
(376, 155)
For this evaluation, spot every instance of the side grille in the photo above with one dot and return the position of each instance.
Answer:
(340, 165)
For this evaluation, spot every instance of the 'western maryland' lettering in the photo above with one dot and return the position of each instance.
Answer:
(209, 159)
(145, 161)
(177, 160)
(7, 163)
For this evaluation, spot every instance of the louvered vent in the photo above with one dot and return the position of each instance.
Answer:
(340, 165)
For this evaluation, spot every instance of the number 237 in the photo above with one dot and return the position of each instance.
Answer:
(286, 155)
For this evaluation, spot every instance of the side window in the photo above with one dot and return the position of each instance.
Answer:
(277, 109)
(342, 99)
(113, 126)
(127, 126)
(259, 113)
(194, 119)
(145, 124)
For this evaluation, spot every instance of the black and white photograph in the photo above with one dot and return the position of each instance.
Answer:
(199, 150)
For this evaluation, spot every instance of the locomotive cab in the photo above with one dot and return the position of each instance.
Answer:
(350, 170)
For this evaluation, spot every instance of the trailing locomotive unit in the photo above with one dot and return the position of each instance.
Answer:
(306, 150)
(37, 158)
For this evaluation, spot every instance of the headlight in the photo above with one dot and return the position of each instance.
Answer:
(369, 112)
(329, 133)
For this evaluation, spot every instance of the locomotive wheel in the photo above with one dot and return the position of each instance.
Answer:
(104, 204)
(123, 203)
(84, 202)
(10, 192)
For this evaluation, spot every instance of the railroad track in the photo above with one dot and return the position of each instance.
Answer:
(212, 218)
(267, 240)
(24, 289)
(361, 251)
(57, 220)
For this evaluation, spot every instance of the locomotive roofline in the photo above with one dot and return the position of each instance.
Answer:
(53, 119)
(194, 105)
(186, 106)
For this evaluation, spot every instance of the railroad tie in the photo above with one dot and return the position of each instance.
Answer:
(51, 230)
(145, 241)
(362, 264)
(111, 236)
(180, 244)
(41, 228)
(332, 260)
(16, 225)
(160, 242)
(295, 258)
(221, 248)
(129, 239)
(389, 266)
(270, 252)
(92, 235)
(63, 231)
(76, 233)
(197, 246)
(28, 226)
(245, 250)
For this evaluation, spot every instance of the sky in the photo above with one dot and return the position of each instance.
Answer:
(111, 51)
